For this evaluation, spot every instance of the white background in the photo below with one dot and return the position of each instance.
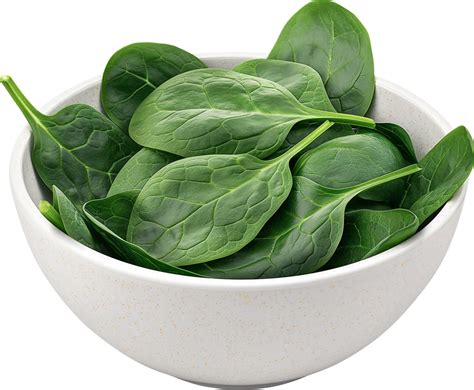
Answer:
(49, 46)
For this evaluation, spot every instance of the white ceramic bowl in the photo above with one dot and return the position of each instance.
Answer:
(241, 333)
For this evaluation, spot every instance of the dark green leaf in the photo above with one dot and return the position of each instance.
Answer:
(214, 111)
(444, 170)
(370, 232)
(334, 42)
(207, 207)
(136, 172)
(134, 71)
(347, 161)
(78, 149)
(110, 218)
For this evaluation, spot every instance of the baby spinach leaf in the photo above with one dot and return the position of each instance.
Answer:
(215, 111)
(78, 149)
(301, 80)
(73, 222)
(444, 170)
(134, 71)
(334, 42)
(398, 136)
(110, 218)
(203, 208)
(136, 172)
(51, 214)
(347, 161)
(301, 237)
(370, 232)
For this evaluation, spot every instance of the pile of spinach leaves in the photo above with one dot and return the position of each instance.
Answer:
(267, 170)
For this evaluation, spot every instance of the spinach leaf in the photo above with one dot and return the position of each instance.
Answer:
(51, 214)
(215, 111)
(334, 42)
(203, 208)
(110, 217)
(134, 71)
(444, 170)
(398, 136)
(306, 85)
(78, 149)
(370, 232)
(72, 220)
(301, 80)
(136, 172)
(301, 237)
(347, 161)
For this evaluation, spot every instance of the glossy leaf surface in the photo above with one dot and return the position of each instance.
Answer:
(214, 111)
(334, 42)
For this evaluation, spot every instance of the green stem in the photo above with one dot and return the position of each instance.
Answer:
(32, 115)
(408, 170)
(51, 214)
(305, 142)
(341, 118)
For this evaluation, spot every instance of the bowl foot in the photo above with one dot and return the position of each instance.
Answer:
(246, 387)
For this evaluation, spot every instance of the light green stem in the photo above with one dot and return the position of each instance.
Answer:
(32, 115)
(406, 171)
(305, 142)
(341, 118)
(51, 214)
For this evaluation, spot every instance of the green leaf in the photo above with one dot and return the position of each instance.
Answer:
(347, 161)
(78, 149)
(110, 218)
(214, 111)
(331, 40)
(370, 232)
(207, 207)
(444, 170)
(136, 70)
(136, 172)
(73, 222)
(398, 136)
(51, 214)
(301, 237)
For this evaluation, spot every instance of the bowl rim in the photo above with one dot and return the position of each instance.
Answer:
(119, 267)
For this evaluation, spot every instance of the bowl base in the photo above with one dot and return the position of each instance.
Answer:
(246, 387)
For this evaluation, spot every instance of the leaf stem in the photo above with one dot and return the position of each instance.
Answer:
(31, 114)
(305, 142)
(341, 118)
(406, 171)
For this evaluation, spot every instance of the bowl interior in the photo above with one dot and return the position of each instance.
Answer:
(391, 104)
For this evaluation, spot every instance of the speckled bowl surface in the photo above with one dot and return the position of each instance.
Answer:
(239, 333)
